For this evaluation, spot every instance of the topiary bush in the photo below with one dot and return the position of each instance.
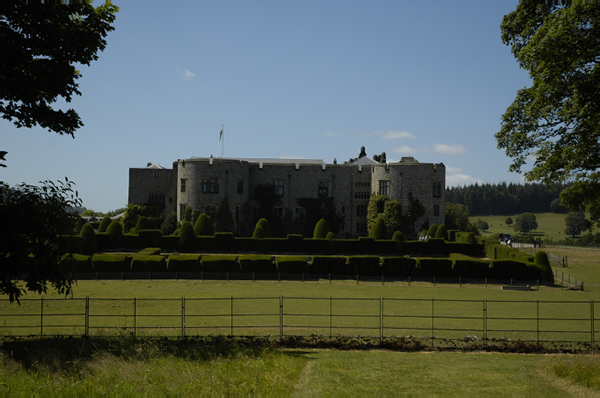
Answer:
(88, 236)
(379, 232)
(169, 225)
(432, 230)
(187, 237)
(142, 223)
(441, 232)
(204, 226)
(266, 227)
(115, 232)
(330, 236)
(541, 261)
(321, 229)
(398, 237)
(106, 220)
(259, 233)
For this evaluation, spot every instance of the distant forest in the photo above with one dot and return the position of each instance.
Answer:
(507, 199)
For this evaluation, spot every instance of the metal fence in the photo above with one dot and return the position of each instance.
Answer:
(432, 320)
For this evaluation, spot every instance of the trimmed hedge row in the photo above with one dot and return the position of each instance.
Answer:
(225, 242)
(424, 267)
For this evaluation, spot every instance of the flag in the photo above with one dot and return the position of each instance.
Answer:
(221, 133)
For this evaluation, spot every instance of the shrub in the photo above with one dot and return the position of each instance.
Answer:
(257, 263)
(365, 265)
(470, 239)
(204, 226)
(106, 220)
(106, 262)
(321, 229)
(149, 238)
(220, 263)
(398, 266)
(292, 264)
(378, 232)
(438, 267)
(330, 236)
(187, 237)
(323, 265)
(142, 223)
(144, 263)
(432, 230)
(441, 232)
(469, 267)
(169, 225)
(398, 237)
(79, 224)
(266, 227)
(82, 262)
(259, 233)
(541, 260)
(115, 232)
(88, 236)
(184, 263)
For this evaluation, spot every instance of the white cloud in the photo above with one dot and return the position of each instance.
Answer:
(394, 135)
(186, 74)
(453, 170)
(449, 149)
(458, 180)
(333, 133)
(406, 150)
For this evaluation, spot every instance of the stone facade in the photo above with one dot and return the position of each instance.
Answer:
(203, 184)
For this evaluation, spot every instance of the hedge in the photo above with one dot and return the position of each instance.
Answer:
(145, 263)
(469, 267)
(149, 238)
(292, 264)
(365, 265)
(429, 267)
(107, 262)
(257, 263)
(220, 263)
(398, 266)
(323, 265)
(184, 263)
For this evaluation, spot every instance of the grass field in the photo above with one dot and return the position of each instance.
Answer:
(550, 226)
(143, 367)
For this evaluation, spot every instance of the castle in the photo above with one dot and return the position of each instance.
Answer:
(295, 184)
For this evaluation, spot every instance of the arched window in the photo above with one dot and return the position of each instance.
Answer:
(156, 198)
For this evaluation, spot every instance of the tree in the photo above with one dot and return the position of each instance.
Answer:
(557, 207)
(379, 232)
(482, 225)
(508, 221)
(557, 119)
(89, 245)
(223, 219)
(106, 220)
(441, 232)
(204, 226)
(135, 211)
(321, 229)
(169, 225)
(526, 222)
(36, 223)
(456, 217)
(41, 46)
(575, 222)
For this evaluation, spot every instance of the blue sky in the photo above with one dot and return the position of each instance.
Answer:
(303, 79)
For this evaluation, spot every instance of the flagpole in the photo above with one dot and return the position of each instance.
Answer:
(222, 139)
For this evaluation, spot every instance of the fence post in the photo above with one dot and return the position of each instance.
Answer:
(253, 276)
(592, 320)
(183, 317)
(381, 319)
(409, 280)
(330, 324)
(486, 281)
(135, 316)
(231, 317)
(280, 319)
(460, 281)
(41, 318)
(357, 279)
(87, 317)
(432, 320)
(484, 322)
(538, 322)
(330, 278)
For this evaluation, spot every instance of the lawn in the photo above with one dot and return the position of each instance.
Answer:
(123, 366)
(550, 225)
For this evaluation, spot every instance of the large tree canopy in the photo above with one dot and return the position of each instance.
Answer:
(556, 121)
(36, 222)
(39, 47)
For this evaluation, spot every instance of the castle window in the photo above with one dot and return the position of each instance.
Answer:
(240, 187)
(384, 187)
(362, 189)
(157, 174)
(239, 213)
(361, 227)
(255, 213)
(183, 184)
(182, 211)
(436, 209)
(278, 214)
(299, 213)
(210, 185)
(361, 210)
(156, 198)
(323, 189)
(437, 189)
(278, 186)
(210, 210)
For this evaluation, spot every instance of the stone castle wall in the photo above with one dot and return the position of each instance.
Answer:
(297, 180)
